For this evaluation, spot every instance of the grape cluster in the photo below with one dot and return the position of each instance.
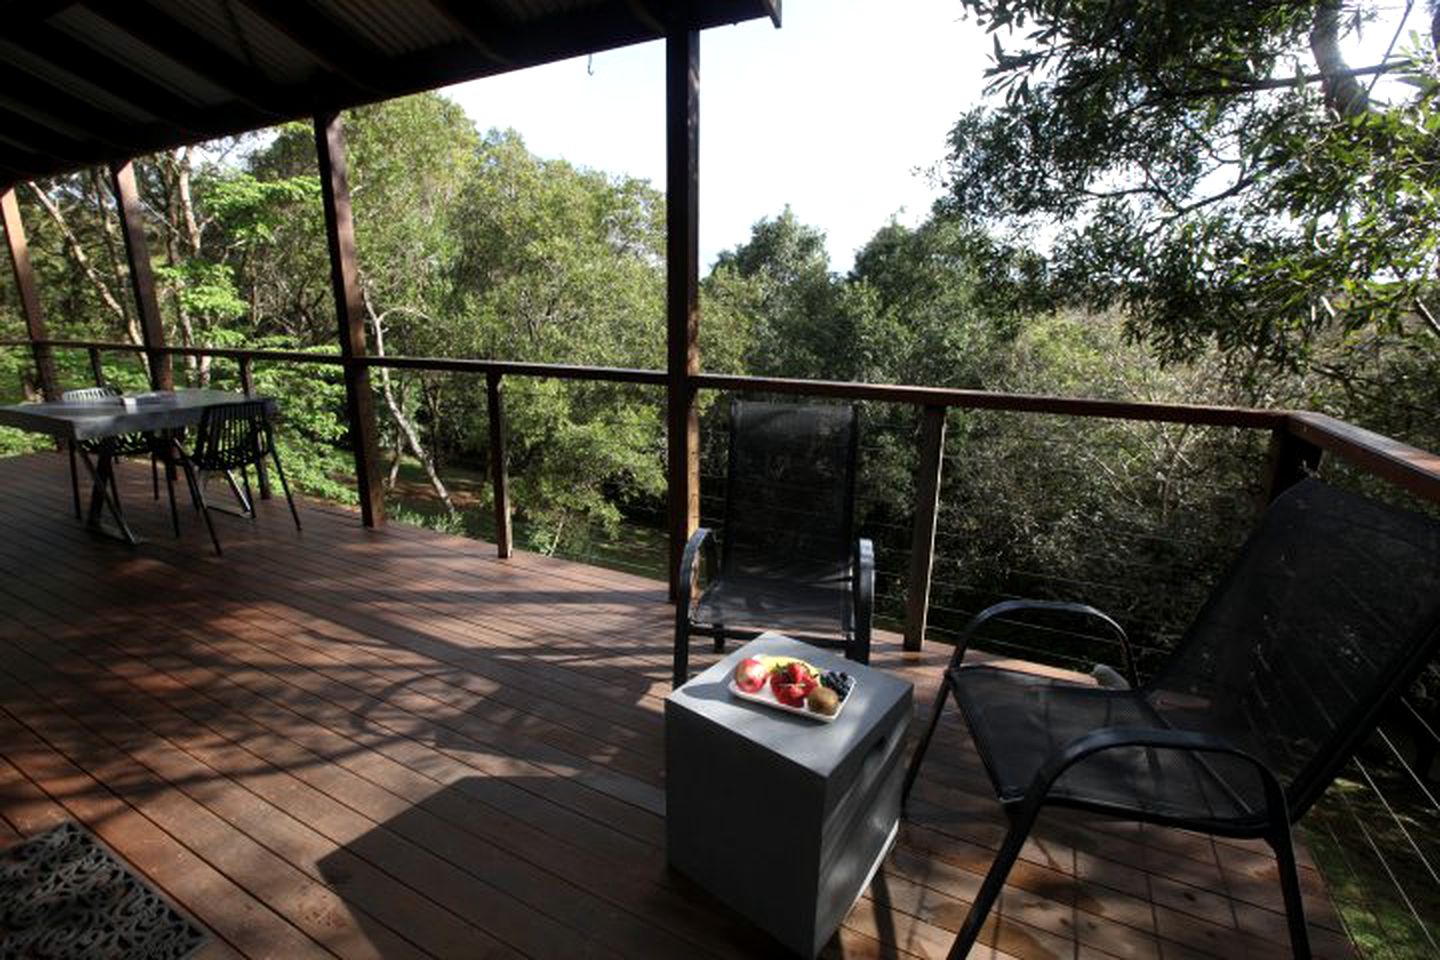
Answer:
(841, 683)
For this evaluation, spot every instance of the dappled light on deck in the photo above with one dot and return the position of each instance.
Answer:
(391, 743)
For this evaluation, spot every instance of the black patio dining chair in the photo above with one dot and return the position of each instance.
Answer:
(1329, 612)
(231, 437)
(126, 445)
(789, 559)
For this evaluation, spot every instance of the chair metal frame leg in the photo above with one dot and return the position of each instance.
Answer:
(1283, 844)
(197, 491)
(946, 685)
(245, 485)
(170, 491)
(1020, 826)
(680, 667)
(280, 472)
(74, 480)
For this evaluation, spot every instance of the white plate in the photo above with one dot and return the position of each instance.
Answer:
(766, 696)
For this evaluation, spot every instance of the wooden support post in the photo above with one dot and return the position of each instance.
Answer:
(1288, 460)
(137, 252)
(927, 511)
(29, 298)
(97, 366)
(498, 476)
(350, 315)
(682, 288)
(247, 384)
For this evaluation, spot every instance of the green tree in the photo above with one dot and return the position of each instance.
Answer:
(1216, 170)
(796, 329)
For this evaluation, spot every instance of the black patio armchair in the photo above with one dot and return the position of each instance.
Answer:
(789, 559)
(1329, 612)
(231, 437)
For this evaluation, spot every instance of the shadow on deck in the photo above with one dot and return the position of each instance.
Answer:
(391, 744)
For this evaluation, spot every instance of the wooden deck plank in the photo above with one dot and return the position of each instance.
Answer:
(385, 723)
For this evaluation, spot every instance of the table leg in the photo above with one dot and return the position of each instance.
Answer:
(103, 496)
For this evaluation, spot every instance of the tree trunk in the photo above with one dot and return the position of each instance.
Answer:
(1343, 92)
(402, 423)
(187, 228)
(77, 252)
(175, 286)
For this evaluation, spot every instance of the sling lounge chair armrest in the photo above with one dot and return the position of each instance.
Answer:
(864, 590)
(702, 539)
(1112, 738)
(1057, 606)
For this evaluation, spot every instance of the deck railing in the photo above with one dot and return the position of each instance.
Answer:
(1296, 440)
(1373, 834)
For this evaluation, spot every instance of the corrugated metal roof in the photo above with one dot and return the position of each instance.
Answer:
(391, 29)
(95, 31)
(90, 82)
(62, 79)
(236, 29)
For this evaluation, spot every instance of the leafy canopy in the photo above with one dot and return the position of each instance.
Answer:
(1216, 170)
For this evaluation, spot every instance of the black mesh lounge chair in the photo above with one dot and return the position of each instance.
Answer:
(1329, 612)
(789, 559)
(232, 436)
(127, 445)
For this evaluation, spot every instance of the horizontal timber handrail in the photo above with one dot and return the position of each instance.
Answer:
(832, 389)
(557, 371)
(1410, 468)
(1011, 402)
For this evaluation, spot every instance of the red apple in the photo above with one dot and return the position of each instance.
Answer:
(751, 675)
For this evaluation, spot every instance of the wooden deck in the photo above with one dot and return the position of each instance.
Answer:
(393, 744)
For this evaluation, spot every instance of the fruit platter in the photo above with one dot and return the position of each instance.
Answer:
(792, 685)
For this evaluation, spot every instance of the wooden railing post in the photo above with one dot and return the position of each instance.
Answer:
(682, 286)
(927, 511)
(1288, 460)
(137, 252)
(29, 297)
(350, 316)
(247, 384)
(499, 478)
(97, 366)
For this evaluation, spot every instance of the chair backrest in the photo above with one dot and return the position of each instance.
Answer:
(790, 490)
(82, 394)
(232, 435)
(1327, 615)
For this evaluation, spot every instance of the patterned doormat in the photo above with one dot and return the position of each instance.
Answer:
(65, 896)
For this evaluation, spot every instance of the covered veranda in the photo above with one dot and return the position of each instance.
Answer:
(373, 740)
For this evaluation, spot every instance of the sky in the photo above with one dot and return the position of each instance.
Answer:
(840, 113)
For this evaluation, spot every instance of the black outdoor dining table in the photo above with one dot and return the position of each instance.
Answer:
(77, 421)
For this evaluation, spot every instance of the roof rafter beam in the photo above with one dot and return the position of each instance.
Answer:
(345, 55)
(39, 139)
(600, 27)
(97, 67)
(51, 103)
(165, 35)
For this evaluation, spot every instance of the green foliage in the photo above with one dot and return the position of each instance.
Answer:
(204, 288)
(1202, 178)
(795, 328)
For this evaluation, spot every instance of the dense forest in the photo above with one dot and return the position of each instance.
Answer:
(1154, 202)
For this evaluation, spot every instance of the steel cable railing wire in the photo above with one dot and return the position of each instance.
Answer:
(1342, 873)
(1388, 868)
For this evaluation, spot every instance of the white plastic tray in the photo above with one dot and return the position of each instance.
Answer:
(766, 697)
